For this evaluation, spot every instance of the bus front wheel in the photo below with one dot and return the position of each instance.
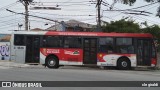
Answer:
(123, 64)
(52, 62)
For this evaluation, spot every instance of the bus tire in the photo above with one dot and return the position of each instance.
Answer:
(123, 64)
(52, 62)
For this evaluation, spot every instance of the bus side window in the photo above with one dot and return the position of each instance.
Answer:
(106, 45)
(124, 45)
(72, 42)
(66, 42)
(18, 39)
(52, 41)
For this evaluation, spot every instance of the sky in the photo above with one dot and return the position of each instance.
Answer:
(81, 10)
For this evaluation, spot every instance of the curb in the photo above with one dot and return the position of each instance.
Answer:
(12, 64)
(6, 61)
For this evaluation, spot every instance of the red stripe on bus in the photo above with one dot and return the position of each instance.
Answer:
(99, 34)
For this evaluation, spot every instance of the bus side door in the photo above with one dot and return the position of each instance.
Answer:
(90, 51)
(144, 52)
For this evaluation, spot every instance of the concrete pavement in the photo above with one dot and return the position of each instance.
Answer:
(10, 64)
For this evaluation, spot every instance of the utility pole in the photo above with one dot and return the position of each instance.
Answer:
(99, 15)
(26, 3)
(26, 16)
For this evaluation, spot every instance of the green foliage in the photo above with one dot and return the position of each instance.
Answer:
(122, 26)
(129, 26)
(154, 30)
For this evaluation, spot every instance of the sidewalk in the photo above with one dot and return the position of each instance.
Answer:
(7, 63)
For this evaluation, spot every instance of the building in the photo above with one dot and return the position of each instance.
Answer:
(72, 25)
(36, 29)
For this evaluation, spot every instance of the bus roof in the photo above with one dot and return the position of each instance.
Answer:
(84, 34)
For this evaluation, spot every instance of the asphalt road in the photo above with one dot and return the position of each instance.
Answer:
(77, 74)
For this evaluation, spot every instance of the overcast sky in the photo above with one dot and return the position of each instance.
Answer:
(81, 10)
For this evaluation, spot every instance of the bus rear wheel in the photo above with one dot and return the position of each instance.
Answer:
(123, 64)
(52, 62)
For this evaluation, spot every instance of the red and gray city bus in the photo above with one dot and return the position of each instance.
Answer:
(53, 49)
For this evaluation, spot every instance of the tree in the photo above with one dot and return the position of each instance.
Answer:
(129, 26)
(154, 30)
(122, 26)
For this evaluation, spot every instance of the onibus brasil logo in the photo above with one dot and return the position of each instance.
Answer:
(21, 84)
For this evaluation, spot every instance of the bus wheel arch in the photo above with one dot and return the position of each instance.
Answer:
(52, 61)
(123, 63)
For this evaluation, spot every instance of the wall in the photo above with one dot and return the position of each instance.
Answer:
(4, 50)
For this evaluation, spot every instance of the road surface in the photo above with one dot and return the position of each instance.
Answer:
(76, 74)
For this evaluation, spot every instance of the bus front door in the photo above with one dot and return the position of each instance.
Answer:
(32, 49)
(144, 52)
(90, 51)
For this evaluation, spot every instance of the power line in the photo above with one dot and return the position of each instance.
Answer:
(10, 26)
(133, 9)
(143, 19)
(65, 9)
(87, 19)
(75, 5)
(138, 17)
(63, 2)
(54, 18)
(65, 5)
(68, 2)
(8, 6)
(151, 7)
(40, 21)
(31, 15)
(37, 17)
(143, 6)
(18, 18)
(109, 17)
(130, 11)
(81, 10)
(64, 15)
(6, 23)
